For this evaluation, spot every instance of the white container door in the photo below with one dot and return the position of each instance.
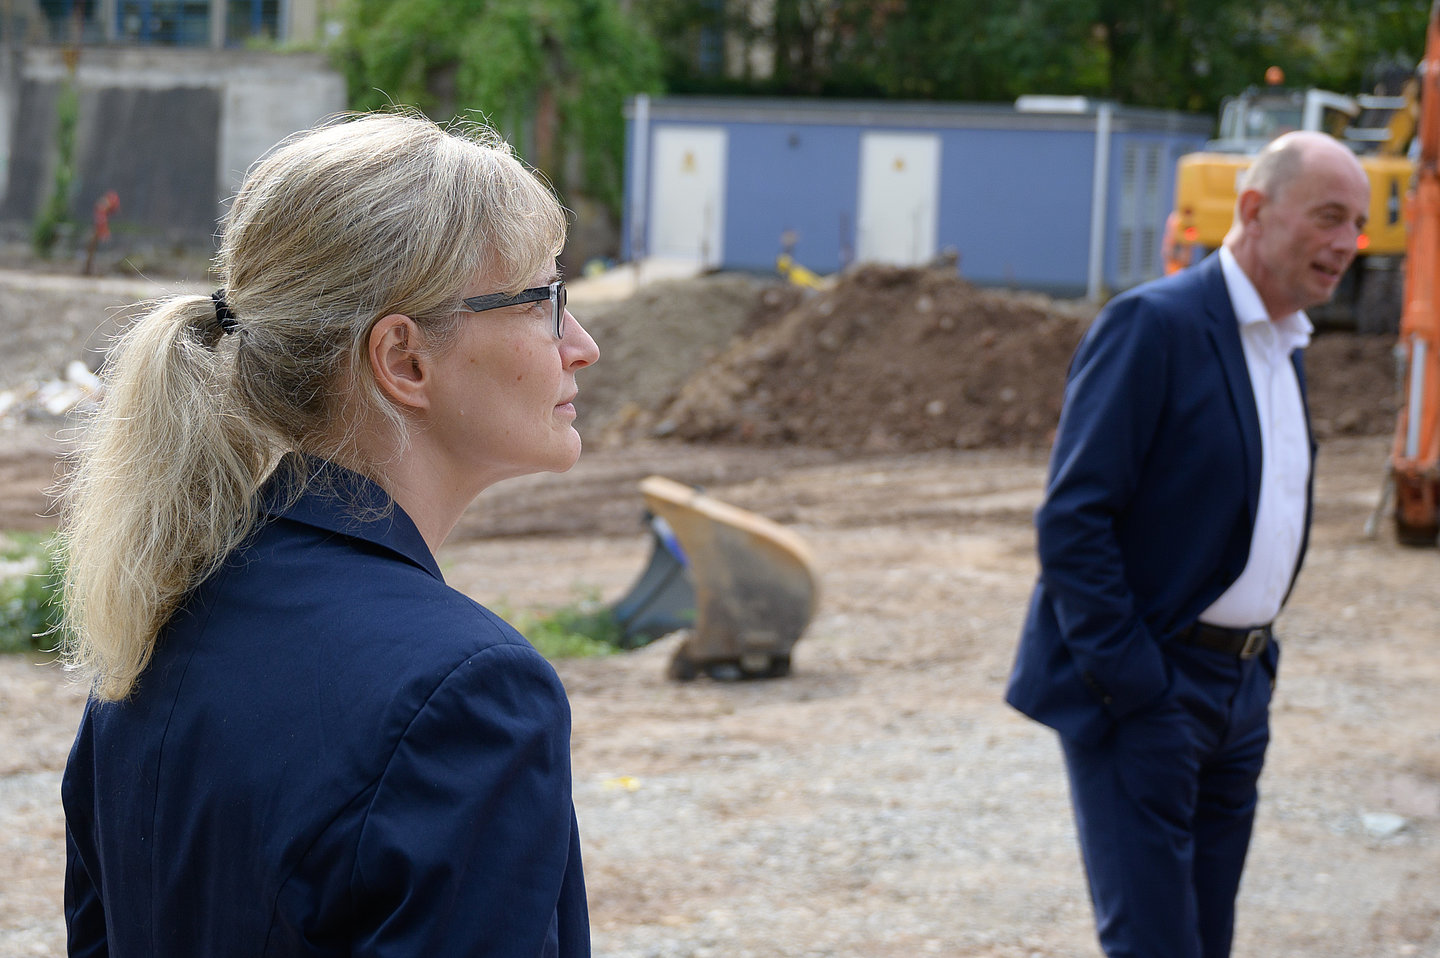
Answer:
(899, 197)
(687, 199)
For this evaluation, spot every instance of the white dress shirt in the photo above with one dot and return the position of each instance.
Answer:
(1255, 598)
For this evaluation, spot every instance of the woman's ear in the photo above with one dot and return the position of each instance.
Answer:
(397, 361)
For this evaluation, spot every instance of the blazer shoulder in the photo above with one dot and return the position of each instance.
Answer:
(372, 622)
(1199, 292)
(1192, 302)
(1182, 292)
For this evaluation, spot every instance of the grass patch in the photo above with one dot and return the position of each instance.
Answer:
(583, 629)
(30, 609)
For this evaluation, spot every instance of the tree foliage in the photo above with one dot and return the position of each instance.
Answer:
(553, 75)
(1176, 54)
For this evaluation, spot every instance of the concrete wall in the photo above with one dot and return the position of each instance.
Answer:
(172, 131)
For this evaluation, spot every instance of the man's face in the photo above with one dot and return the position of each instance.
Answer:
(1306, 232)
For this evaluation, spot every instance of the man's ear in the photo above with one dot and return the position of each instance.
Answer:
(1249, 206)
(399, 365)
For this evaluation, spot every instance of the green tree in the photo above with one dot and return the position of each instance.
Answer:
(553, 75)
(1177, 54)
(977, 50)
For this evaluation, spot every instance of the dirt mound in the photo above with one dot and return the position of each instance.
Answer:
(1352, 383)
(907, 360)
(652, 341)
(891, 359)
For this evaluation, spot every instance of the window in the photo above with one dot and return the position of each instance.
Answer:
(251, 20)
(69, 21)
(181, 23)
(186, 23)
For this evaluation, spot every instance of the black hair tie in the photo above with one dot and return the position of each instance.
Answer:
(224, 315)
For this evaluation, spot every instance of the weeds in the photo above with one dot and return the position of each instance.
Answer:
(53, 217)
(30, 609)
(583, 629)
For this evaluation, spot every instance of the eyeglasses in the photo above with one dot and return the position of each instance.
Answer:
(555, 292)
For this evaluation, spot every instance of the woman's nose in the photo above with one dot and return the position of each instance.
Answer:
(581, 348)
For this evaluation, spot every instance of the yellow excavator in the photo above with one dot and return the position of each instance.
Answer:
(1378, 126)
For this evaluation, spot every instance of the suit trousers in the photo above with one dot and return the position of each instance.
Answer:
(1164, 807)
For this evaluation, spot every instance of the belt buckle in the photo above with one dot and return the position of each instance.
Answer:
(1254, 643)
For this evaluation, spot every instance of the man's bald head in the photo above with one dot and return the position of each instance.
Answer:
(1301, 206)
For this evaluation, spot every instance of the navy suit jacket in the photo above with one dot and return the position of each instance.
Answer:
(1154, 483)
(331, 753)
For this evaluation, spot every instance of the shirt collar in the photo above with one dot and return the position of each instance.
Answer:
(1292, 331)
(336, 499)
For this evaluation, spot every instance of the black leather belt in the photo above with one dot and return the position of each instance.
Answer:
(1242, 643)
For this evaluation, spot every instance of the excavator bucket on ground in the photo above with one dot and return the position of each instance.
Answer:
(1415, 461)
(754, 585)
(662, 600)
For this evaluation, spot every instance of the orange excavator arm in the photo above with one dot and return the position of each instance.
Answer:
(1415, 461)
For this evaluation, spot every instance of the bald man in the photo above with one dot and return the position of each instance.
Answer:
(1174, 524)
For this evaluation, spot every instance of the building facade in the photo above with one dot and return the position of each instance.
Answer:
(1063, 195)
(169, 103)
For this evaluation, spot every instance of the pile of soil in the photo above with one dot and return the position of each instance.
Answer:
(888, 360)
(1353, 384)
(654, 340)
(905, 360)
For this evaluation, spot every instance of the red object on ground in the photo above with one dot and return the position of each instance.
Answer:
(105, 207)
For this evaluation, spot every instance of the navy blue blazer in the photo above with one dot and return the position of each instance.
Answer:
(332, 753)
(1154, 482)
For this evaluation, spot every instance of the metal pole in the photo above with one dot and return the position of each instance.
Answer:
(638, 187)
(109, 22)
(217, 24)
(1099, 198)
(1414, 410)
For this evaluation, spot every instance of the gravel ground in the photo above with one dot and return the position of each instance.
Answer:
(882, 801)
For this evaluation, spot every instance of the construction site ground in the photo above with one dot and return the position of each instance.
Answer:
(882, 800)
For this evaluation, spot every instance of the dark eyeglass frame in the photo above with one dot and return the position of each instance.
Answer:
(554, 292)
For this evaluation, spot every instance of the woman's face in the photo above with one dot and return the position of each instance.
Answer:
(504, 391)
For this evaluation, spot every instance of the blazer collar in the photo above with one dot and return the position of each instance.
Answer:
(319, 493)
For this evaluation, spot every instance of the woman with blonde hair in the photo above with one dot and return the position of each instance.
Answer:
(300, 741)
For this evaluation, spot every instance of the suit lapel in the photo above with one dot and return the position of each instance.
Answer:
(1297, 358)
(1224, 329)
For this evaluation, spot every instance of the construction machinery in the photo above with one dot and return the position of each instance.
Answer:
(786, 266)
(1377, 126)
(662, 600)
(1415, 460)
(743, 586)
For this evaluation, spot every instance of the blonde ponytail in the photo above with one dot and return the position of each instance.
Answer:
(161, 493)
